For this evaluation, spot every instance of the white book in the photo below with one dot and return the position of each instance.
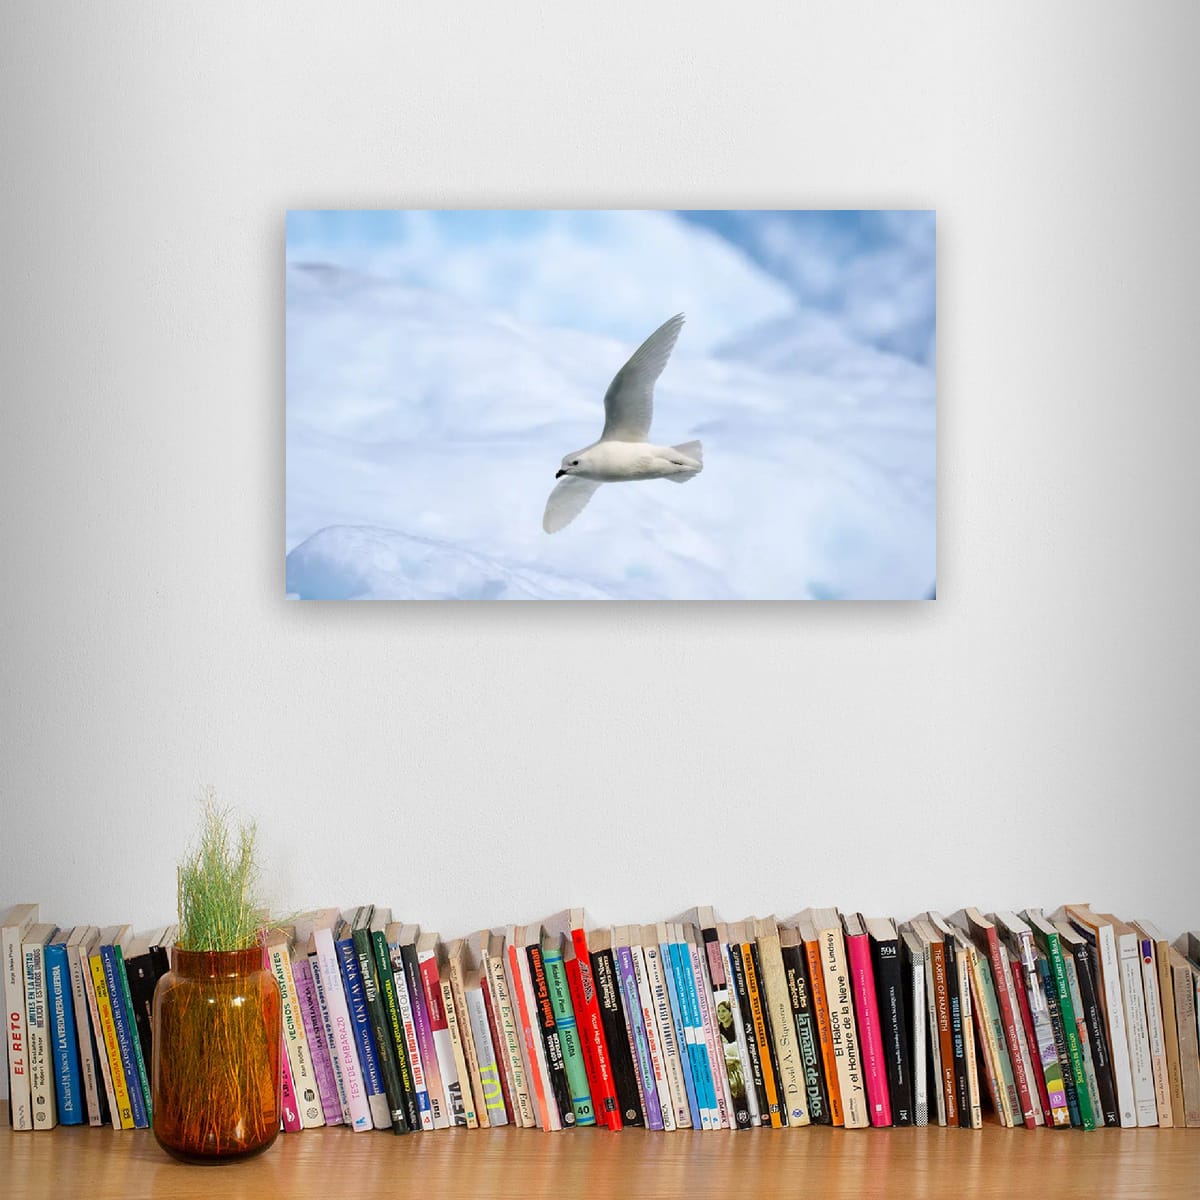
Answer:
(739, 1031)
(1157, 1032)
(295, 1039)
(346, 1052)
(92, 1084)
(918, 1026)
(662, 1086)
(668, 1038)
(485, 1052)
(935, 1043)
(518, 1078)
(1129, 951)
(16, 924)
(42, 1098)
(330, 1039)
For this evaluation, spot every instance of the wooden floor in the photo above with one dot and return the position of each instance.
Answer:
(98, 1164)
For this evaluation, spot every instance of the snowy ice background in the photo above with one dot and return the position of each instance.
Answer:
(440, 364)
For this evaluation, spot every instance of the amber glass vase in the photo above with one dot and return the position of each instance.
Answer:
(216, 1055)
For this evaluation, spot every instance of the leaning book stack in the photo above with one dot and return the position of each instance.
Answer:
(1062, 1019)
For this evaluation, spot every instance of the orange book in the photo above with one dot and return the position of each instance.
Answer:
(754, 991)
(816, 982)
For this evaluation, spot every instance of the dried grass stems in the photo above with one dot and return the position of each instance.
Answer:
(218, 909)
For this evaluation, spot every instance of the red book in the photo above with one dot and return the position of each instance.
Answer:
(1018, 982)
(591, 1029)
(866, 1009)
(514, 947)
(983, 933)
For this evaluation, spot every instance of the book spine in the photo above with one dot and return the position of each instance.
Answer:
(439, 1116)
(310, 1017)
(110, 1095)
(140, 975)
(364, 1038)
(304, 1079)
(1085, 1049)
(1025, 1016)
(636, 1024)
(330, 1039)
(1189, 1039)
(393, 1032)
(41, 1056)
(17, 1025)
(604, 1094)
(839, 991)
(125, 1037)
(713, 1057)
(1070, 1082)
(108, 1025)
(941, 999)
(510, 1032)
(454, 999)
(536, 1066)
(681, 1012)
(755, 1078)
(1166, 996)
(491, 1012)
(730, 1068)
(1129, 952)
(964, 991)
(489, 1070)
(1043, 1028)
(1006, 1098)
(443, 1044)
(616, 1037)
(762, 1035)
(889, 991)
(1023, 1107)
(1114, 1013)
(662, 1085)
(548, 1029)
(737, 1053)
(816, 979)
(290, 1109)
(139, 1062)
(568, 1037)
(668, 1038)
(1066, 1013)
(68, 1073)
(986, 1034)
(915, 970)
(83, 1036)
(329, 976)
(807, 1044)
(957, 1039)
(866, 1007)
(792, 1090)
(407, 1004)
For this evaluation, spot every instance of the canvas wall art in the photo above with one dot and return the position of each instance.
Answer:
(610, 405)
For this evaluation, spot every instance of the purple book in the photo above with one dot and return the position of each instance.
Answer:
(314, 973)
(637, 1030)
(314, 1031)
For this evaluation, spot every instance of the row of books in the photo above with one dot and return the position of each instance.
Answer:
(1076, 1020)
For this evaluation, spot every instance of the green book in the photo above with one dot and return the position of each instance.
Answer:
(143, 1077)
(1046, 937)
(391, 1008)
(568, 1032)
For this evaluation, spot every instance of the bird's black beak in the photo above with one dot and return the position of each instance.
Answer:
(559, 474)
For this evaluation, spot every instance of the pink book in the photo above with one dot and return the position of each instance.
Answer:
(310, 1014)
(343, 1034)
(866, 1008)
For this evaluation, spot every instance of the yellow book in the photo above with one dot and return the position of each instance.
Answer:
(109, 1033)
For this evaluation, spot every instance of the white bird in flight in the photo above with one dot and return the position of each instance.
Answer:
(623, 454)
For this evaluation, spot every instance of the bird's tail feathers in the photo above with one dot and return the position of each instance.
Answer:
(694, 451)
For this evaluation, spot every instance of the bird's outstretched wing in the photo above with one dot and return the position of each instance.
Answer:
(629, 401)
(567, 501)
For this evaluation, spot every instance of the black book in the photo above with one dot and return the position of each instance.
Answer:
(555, 1063)
(416, 994)
(616, 1032)
(893, 1016)
(389, 998)
(1093, 1015)
(144, 969)
(737, 971)
(1060, 1039)
(795, 972)
(388, 1068)
(756, 967)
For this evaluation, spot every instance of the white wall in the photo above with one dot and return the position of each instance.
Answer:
(1029, 738)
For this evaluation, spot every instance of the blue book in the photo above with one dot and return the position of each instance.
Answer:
(706, 1096)
(64, 1043)
(671, 969)
(364, 1038)
(125, 1036)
